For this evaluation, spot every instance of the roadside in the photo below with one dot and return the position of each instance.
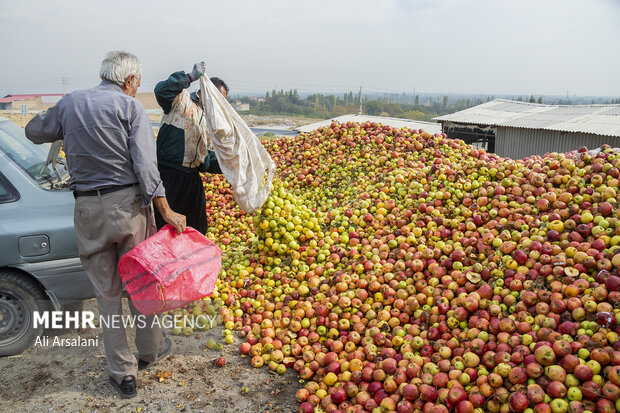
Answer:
(262, 124)
(18, 118)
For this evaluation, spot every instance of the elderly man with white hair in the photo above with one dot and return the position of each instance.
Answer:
(111, 157)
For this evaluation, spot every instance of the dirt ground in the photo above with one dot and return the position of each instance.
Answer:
(17, 117)
(74, 379)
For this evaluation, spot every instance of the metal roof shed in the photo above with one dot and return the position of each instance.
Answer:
(519, 129)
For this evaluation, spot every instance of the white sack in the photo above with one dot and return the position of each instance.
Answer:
(244, 161)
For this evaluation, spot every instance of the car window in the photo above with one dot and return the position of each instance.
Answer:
(31, 157)
(7, 192)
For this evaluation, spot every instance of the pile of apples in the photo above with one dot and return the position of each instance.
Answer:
(398, 271)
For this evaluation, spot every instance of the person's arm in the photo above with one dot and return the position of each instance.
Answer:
(142, 148)
(45, 127)
(167, 90)
(211, 164)
(169, 216)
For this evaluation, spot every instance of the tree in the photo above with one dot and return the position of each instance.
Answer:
(393, 109)
(540, 99)
(417, 100)
(322, 111)
(415, 114)
(532, 100)
(339, 111)
(445, 101)
(374, 107)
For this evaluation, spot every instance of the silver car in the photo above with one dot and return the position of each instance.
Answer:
(39, 264)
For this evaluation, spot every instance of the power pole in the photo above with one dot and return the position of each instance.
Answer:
(64, 82)
(360, 97)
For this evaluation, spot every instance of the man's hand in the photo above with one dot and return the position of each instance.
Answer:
(198, 70)
(171, 217)
(176, 220)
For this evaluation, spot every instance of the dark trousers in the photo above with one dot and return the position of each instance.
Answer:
(186, 196)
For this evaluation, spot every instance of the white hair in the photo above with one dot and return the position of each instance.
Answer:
(117, 66)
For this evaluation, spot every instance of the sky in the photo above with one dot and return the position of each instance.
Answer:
(493, 47)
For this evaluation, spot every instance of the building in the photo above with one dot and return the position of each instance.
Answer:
(518, 129)
(34, 102)
(393, 122)
(240, 106)
(148, 100)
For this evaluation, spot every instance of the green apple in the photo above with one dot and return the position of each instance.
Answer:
(574, 393)
(583, 353)
(594, 365)
(598, 379)
(559, 406)
(571, 381)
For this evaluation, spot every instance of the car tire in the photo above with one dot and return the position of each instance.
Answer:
(20, 296)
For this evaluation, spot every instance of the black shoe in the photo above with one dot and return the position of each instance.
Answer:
(167, 347)
(127, 388)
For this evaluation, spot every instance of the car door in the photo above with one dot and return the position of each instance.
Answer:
(36, 229)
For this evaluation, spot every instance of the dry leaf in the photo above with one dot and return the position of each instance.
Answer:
(163, 375)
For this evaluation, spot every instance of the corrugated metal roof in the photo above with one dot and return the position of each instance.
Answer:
(429, 127)
(595, 119)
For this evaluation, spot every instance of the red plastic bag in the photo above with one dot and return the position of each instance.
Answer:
(169, 270)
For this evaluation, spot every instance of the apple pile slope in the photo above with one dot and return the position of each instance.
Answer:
(399, 271)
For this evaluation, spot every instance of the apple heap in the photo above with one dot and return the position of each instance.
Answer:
(284, 224)
(398, 271)
(228, 224)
